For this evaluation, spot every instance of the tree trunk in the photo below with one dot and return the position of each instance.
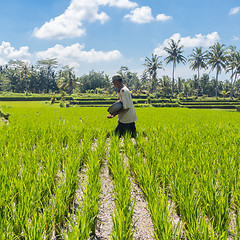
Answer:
(198, 83)
(232, 86)
(173, 78)
(154, 80)
(217, 85)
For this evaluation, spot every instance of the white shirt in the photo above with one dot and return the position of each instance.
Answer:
(125, 97)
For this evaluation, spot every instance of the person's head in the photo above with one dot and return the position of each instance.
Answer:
(117, 81)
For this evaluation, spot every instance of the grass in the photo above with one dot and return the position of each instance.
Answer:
(124, 205)
(186, 162)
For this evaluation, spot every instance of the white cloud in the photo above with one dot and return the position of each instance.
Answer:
(118, 3)
(7, 52)
(73, 55)
(235, 38)
(144, 15)
(234, 11)
(163, 18)
(141, 15)
(198, 40)
(70, 24)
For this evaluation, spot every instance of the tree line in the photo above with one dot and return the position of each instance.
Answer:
(217, 58)
(19, 77)
(46, 77)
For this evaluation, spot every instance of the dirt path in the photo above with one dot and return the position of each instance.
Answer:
(104, 219)
(143, 224)
(144, 227)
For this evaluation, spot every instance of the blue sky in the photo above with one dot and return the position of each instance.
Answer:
(104, 35)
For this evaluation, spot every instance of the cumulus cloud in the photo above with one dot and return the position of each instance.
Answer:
(163, 18)
(144, 15)
(235, 38)
(75, 54)
(70, 24)
(198, 40)
(234, 11)
(118, 3)
(7, 52)
(141, 15)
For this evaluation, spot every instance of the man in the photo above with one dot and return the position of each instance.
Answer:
(127, 115)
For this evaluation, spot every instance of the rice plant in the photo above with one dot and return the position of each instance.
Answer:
(124, 205)
(185, 161)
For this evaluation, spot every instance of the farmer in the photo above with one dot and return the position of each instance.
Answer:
(127, 115)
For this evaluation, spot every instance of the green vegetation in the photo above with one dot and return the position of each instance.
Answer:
(186, 162)
(48, 77)
(123, 212)
(139, 100)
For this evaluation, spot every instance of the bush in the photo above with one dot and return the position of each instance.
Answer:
(141, 101)
(142, 105)
(92, 102)
(213, 106)
(165, 105)
(208, 103)
(31, 98)
(53, 100)
(138, 96)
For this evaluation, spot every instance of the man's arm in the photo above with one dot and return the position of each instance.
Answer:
(121, 111)
(124, 102)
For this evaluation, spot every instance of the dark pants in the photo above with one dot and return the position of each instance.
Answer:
(123, 128)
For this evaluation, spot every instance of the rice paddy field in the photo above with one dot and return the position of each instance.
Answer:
(64, 175)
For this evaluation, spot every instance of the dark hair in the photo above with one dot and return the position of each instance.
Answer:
(117, 77)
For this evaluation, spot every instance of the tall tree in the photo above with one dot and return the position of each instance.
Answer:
(237, 68)
(94, 80)
(21, 69)
(174, 55)
(46, 66)
(217, 60)
(165, 86)
(198, 61)
(67, 79)
(130, 78)
(233, 66)
(153, 64)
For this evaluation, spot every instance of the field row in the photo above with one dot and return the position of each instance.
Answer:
(186, 163)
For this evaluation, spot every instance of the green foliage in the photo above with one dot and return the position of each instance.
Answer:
(185, 161)
(93, 80)
(123, 212)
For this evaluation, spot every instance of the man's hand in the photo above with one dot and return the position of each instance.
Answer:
(110, 116)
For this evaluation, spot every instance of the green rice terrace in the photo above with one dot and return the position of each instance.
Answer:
(64, 175)
(139, 100)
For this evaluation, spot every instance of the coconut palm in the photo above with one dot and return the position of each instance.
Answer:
(153, 64)
(217, 60)
(67, 79)
(236, 72)
(198, 61)
(174, 55)
(233, 66)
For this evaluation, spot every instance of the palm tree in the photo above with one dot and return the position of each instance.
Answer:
(174, 55)
(47, 66)
(198, 61)
(236, 72)
(233, 66)
(217, 60)
(22, 71)
(153, 64)
(67, 79)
